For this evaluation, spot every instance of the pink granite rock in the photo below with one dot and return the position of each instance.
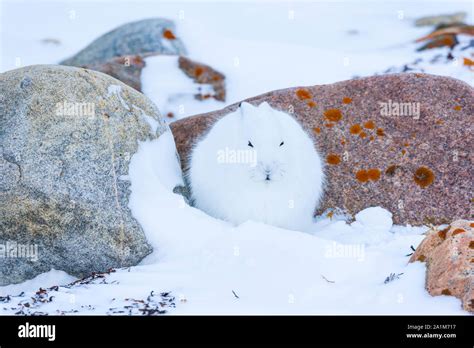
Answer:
(449, 257)
(401, 141)
(204, 74)
(127, 69)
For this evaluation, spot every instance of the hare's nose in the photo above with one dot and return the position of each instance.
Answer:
(268, 172)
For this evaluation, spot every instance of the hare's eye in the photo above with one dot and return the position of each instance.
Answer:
(282, 143)
(250, 144)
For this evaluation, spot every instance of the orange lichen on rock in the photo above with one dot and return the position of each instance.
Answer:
(472, 224)
(468, 62)
(346, 100)
(363, 135)
(421, 258)
(380, 132)
(333, 115)
(406, 144)
(168, 34)
(303, 94)
(424, 177)
(362, 175)
(329, 125)
(458, 231)
(371, 138)
(366, 175)
(404, 152)
(373, 174)
(343, 141)
(440, 40)
(355, 129)
(449, 261)
(391, 170)
(442, 233)
(317, 130)
(457, 108)
(369, 125)
(439, 122)
(333, 159)
(198, 71)
(311, 104)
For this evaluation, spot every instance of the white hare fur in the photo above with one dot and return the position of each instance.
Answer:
(278, 178)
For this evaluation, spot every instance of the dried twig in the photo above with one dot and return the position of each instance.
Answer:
(465, 29)
(392, 277)
(326, 279)
(412, 248)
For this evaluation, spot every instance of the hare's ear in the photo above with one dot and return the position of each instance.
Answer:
(245, 107)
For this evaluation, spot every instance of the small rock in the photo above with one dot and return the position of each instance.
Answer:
(144, 37)
(448, 254)
(454, 18)
(127, 69)
(448, 40)
(204, 74)
(445, 36)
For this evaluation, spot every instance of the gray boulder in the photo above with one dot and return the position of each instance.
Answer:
(66, 139)
(144, 37)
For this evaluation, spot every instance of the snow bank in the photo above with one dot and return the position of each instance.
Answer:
(174, 92)
(335, 268)
(212, 267)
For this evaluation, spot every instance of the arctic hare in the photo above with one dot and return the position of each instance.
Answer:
(257, 163)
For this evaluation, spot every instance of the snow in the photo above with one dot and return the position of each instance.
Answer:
(154, 124)
(116, 90)
(172, 91)
(338, 268)
(47, 279)
(372, 226)
(210, 266)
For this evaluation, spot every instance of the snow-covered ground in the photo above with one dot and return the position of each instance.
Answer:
(209, 266)
(212, 267)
